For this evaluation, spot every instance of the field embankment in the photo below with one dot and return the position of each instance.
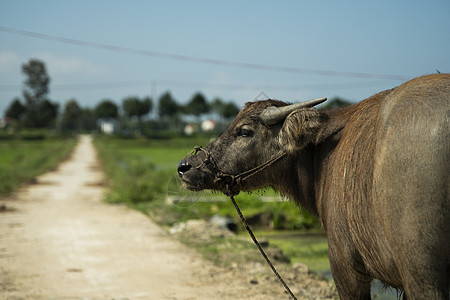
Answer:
(21, 160)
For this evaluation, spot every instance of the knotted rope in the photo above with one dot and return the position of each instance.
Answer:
(233, 182)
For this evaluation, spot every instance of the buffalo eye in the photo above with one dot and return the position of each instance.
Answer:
(245, 132)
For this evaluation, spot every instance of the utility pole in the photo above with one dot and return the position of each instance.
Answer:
(154, 94)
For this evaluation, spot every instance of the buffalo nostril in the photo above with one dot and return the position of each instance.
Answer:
(183, 167)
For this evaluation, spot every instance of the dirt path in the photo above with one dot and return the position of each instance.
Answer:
(59, 241)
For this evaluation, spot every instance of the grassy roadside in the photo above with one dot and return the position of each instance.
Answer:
(21, 160)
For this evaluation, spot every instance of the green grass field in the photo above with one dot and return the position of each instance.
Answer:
(22, 160)
(310, 248)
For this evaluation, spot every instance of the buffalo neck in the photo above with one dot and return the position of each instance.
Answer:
(343, 157)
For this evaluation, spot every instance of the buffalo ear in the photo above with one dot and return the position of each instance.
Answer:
(300, 128)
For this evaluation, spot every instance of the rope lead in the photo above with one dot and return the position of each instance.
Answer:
(233, 184)
(244, 222)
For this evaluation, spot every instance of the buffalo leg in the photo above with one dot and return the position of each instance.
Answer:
(428, 285)
(350, 284)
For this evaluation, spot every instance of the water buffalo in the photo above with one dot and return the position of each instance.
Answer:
(376, 173)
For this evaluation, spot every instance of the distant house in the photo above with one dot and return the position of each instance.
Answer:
(189, 129)
(5, 123)
(208, 125)
(204, 126)
(108, 126)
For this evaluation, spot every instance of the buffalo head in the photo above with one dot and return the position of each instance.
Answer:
(262, 134)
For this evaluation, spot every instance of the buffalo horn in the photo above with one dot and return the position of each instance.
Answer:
(273, 115)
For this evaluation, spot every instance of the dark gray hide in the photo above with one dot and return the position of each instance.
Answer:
(376, 174)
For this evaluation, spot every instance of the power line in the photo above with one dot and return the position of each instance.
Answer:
(201, 85)
(199, 59)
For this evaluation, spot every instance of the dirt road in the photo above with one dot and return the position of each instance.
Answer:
(58, 240)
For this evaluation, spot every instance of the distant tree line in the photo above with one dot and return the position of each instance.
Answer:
(35, 110)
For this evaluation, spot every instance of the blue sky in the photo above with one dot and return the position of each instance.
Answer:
(401, 38)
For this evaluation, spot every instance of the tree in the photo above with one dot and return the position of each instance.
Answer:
(217, 106)
(146, 107)
(224, 110)
(15, 110)
(37, 82)
(106, 109)
(71, 116)
(230, 110)
(198, 105)
(87, 119)
(46, 114)
(36, 88)
(133, 107)
(336, 103)
(168, 107)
